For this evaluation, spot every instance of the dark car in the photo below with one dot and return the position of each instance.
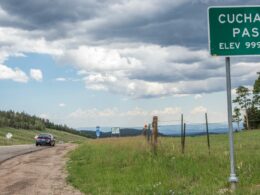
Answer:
(45, 139)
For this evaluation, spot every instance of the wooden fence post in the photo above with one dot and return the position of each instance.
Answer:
(155, 133)
(182, 133)
(207, 130)
(148, 132)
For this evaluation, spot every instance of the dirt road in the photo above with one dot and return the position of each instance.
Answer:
(38, 173)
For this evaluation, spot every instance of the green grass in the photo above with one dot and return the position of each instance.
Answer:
(22, 136)
(128, 166)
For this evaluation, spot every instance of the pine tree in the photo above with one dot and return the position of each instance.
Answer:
(244, 101)
(237, 116)
(256, 92)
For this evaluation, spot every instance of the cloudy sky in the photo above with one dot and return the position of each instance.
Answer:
(114, 63)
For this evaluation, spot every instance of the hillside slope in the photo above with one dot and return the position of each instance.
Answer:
(26, 136)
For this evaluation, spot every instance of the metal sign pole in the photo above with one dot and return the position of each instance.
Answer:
(232, 179)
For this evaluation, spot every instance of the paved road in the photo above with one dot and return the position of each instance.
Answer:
(7, 152)
(37, 173)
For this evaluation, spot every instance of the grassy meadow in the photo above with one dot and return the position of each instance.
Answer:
(24, 136)
(128, 165)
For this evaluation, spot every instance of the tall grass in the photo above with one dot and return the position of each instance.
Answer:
(128, 166)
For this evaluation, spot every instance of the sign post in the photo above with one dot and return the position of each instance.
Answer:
(98, 131)
(8, 136)
(233, 178)
(115, 131)
(233, 31)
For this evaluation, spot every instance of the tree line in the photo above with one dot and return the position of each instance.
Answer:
(22, 120)
(247, 103)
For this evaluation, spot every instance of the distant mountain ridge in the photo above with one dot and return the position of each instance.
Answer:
(21, 120)
(124, 132)
(165, 130)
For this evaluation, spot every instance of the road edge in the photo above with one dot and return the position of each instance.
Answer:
(21, 154)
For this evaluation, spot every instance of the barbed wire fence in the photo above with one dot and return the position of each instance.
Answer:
(179, 127)
(182, 128)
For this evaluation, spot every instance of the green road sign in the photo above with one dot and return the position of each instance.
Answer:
(234, 30)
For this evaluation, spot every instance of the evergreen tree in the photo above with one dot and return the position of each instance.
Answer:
(244, 101)
(237, 116)
(256, 92)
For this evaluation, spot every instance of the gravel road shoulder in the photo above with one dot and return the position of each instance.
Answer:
(41, 172)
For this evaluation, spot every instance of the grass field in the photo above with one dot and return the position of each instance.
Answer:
(22, 136)
(128, 166)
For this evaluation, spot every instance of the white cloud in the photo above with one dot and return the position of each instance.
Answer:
(44, 116)
(233, 92)
(180, 95)
(134, 71)
(22, 41)
(138, 116)
(115, 116)
(198, 96)
(3, 56)
(167, 111)
(149, 70)
(17, 42)
(98, 59)
(135, 112)
(36, 74)
(62, 105)
(92, 113)
(60, 79)
(198, 110)
(12, 74)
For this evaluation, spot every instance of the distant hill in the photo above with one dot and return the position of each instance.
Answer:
(22, 120)
(26, 136)
(124, 132)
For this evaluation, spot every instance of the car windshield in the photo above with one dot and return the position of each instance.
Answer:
(44, 136)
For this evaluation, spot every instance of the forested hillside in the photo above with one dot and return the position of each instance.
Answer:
(21, 120)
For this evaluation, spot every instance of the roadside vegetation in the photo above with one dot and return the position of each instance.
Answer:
(26, 136)
(247, 103)
(129, 166)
